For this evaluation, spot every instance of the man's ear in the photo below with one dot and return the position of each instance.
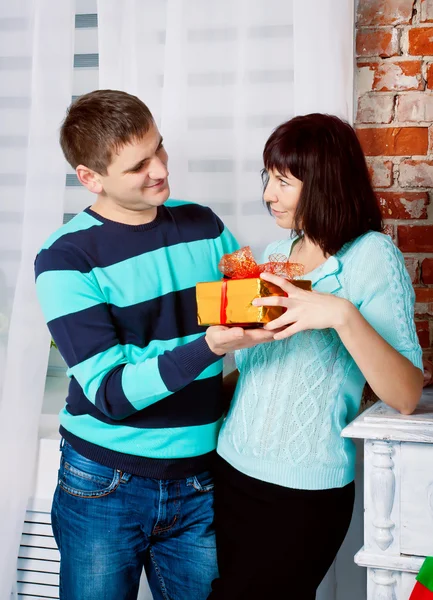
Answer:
(90, 179)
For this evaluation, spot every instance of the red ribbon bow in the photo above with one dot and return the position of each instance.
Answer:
(242, 265)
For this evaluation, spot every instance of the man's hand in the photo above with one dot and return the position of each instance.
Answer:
(227, 339)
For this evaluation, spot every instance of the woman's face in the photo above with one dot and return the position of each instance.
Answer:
(282, 194)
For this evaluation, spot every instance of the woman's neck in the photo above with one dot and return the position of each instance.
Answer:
(308, 254)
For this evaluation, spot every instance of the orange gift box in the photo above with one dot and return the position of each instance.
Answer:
(229, 301)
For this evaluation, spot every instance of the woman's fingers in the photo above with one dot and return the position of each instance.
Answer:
(288, 331)
(284, 284)
(271, 301)
(287, 318)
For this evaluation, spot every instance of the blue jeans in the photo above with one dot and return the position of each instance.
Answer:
(108, 525)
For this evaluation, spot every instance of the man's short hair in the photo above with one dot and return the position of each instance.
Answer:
(98, 124)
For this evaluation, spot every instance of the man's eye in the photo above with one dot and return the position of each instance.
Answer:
(160, 147)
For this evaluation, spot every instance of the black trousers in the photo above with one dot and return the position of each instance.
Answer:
(275, 542)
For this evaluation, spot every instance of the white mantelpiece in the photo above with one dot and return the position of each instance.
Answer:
(398, 496)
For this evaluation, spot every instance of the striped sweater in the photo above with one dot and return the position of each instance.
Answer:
(119, 300)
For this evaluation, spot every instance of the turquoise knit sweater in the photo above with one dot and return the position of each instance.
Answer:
(295, 396)
(119, 300)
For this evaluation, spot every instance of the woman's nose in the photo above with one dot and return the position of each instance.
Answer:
(269, 194)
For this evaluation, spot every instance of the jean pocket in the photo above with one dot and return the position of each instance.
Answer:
(83, 484)
(204, 482)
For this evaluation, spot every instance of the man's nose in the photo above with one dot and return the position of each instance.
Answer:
(158, 169)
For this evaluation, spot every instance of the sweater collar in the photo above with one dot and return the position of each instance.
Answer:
(325, 276)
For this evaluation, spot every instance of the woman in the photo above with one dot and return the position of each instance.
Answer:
(284, 485)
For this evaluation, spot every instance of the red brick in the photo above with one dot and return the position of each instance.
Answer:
(423, 331)
(424, 294)
(429, 76)
(377, 42)
(380, 172)
(403, 205)
(397, 76)
(384, 12)
(421, 41)
(427, 270)
(426, 10)
(415, 106)
(375, 108)
(412, 266)
(415, 238)
(394, 141)
(423, 302)
(389, 229)
(365, 77)
(416, 173)
(424, 309)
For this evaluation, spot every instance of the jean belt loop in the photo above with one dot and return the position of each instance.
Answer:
(62, 443)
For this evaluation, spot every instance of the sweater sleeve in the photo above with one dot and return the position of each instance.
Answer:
(384, 294)
(227, 240)
(83, 328)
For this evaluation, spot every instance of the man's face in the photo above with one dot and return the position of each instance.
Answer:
(137, 178)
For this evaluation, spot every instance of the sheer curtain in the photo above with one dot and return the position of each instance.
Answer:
(324, 57)
(36, 58)
(219, 77)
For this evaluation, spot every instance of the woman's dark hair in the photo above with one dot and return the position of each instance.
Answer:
(337, 202)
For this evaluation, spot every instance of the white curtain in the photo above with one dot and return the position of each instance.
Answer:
(219, 77)
(36, 58)
(324, 57)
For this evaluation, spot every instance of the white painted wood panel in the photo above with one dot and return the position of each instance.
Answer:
(39, 553)
(38, 577)
(398, 499)
(40, 591)
(417, 499)
(42, 566)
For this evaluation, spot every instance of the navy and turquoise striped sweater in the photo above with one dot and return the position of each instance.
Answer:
(119, 300)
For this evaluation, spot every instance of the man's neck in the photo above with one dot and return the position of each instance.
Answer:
(120, 214)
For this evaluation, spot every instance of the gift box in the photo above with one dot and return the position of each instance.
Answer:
(229, 301)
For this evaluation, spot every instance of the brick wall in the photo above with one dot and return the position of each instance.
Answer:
(394, 49)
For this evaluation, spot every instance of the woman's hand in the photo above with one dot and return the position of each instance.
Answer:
(392, 377)
(305, 310)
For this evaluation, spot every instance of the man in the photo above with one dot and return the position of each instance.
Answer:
(117, 287)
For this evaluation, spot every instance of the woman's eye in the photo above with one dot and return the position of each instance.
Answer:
(283, 182)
